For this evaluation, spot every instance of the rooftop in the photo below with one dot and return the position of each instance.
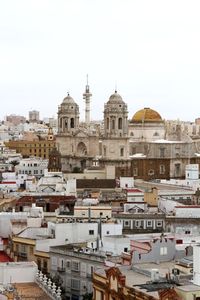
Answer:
(29, 291)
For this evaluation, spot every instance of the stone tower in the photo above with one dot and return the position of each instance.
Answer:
(54, 164)
(68, 116)
(115, 140)
(87, 95)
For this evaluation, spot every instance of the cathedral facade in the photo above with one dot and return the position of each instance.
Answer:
(143, 147)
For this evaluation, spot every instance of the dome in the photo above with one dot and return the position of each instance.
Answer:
(68, 99)
(115, 98)
(146, 115)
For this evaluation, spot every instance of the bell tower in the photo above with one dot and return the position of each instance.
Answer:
(115, 140)
(68, 116)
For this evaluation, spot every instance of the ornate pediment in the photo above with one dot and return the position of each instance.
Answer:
(81, 134)
(115, 277)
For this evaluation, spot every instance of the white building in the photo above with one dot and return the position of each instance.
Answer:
(54, 182)
(14, 222)
(31, 166)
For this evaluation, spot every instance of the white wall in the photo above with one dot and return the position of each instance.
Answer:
(5, 222)
(83, 211)
(66, 233)
(111, 229)
(167, 206)
(19, 272)
(187, 212)
(192, 171)
(116, 245)
(126, 182)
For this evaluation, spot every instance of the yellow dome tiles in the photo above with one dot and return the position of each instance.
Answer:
(146, 115)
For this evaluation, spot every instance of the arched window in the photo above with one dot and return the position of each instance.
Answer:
(107, 123)
(156, 133)
(104, 151)
(72, 123)
(120, 123)
(121, 151)
(113, 124)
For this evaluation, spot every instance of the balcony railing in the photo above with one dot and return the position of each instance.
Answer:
(60, 269)
(22, 254)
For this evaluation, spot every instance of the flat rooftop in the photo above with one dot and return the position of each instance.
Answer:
(30, 291)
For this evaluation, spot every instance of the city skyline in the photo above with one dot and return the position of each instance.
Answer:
(148, 50)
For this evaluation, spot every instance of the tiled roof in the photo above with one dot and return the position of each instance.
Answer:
(96, 183)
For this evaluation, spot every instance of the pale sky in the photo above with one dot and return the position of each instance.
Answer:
(150, 49)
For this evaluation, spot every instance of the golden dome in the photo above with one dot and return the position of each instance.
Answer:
(146, 115)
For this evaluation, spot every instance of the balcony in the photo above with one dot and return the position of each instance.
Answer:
(60, 269)
(21, 255)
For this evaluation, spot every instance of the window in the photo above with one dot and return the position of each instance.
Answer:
(31, 250)
(113, 124)
(39, 263)
(163, 250)
(120, 123)
(162, 169)
(68, 264)
(149, 223)
(107, 232)
(126, 249)
(137, 224)
(72, 123)
(75, 266)
(91, 232)
(135, 172)
(187, 232)
(92, 270)
(177, 169)
(162, 152)
(159, 223)
(107, 123)
(104, 151)
(179, 241)
(101, 295)
(75, 284)
(44, 266)
(126, 223)
(122, 152)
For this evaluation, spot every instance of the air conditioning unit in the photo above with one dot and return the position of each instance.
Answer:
(155, 276)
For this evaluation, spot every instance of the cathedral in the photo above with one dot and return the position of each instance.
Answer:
(144, 147)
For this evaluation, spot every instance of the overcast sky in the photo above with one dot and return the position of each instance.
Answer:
(150, 49)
